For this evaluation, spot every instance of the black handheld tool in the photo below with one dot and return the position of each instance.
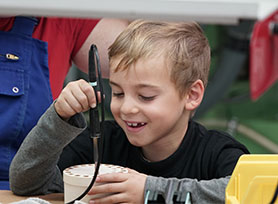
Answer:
(94, 114)
(95, 81)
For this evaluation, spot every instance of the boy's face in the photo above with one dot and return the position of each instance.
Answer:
(146, 104)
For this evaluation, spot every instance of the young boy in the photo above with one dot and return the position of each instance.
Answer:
(158, 74)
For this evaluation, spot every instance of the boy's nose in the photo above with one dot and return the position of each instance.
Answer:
(129, 107)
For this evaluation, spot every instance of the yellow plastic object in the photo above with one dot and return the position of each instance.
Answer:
(254, 180)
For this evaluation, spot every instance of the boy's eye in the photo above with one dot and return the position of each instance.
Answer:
(118, 94)
(147, 98)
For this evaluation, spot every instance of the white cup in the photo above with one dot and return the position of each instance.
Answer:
(77, 179)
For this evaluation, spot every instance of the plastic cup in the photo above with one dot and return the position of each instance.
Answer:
(77, 179)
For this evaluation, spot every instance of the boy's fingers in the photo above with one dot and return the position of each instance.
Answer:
(131, 170)
(88, 91)
(112, 177)
(84, 94)
(66, 104)
(79, 96)
(106, 188)
(64, 111)
(74, 103)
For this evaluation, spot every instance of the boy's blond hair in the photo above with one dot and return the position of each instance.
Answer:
(183, 44)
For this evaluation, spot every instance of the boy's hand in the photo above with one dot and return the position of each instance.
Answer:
(122, 187)
(76, 97)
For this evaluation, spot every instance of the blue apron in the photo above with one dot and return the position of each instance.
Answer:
(24, 88)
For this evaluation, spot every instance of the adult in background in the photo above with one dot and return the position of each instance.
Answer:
(35, 56)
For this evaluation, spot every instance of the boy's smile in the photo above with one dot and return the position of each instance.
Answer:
(146, 104)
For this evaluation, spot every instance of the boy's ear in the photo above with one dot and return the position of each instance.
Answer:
(194, 95)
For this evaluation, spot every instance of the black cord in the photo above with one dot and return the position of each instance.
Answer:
(94, 60)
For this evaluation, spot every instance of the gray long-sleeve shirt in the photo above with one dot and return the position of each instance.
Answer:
(34, 169)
